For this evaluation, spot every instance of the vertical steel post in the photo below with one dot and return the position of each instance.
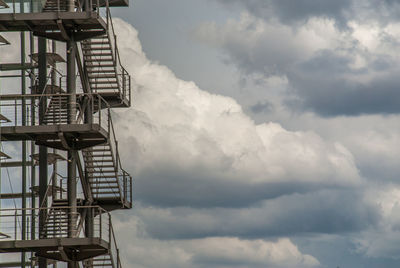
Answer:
(53, 84)
(33, 149)
(71, 188)
(23, 143)
(71, 5)
(42, 64)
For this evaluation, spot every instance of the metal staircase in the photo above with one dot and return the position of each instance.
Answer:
(57, 110)
(106, 75)
(109, 184)
(55, 5)
(100, 261)
(56, 224)
(109, 260)
(102, 172)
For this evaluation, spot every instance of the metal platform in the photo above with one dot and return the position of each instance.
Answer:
(114, 3)
(55, 25)
(111, 204)
(65, 249)
(115, 99)
(63, 137)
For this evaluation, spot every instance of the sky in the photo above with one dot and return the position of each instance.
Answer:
(263, 133)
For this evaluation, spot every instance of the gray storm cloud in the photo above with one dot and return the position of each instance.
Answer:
(330, 71)
(193, 143)
(199, 160)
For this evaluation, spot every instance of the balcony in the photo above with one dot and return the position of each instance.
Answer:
(58, 129)
(55, 20)
(53, 240)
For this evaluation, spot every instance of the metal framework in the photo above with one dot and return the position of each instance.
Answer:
(67, 169)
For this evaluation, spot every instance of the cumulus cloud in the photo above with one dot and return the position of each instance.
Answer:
(209, 252)
(323, 212)
(382, 240)
(268, 47)
(330, 71)
(205, 172)
(288, 11)
(193, 148)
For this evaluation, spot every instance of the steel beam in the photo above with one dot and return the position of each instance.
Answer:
(42, 149)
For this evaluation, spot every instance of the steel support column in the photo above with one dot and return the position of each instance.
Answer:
(42, 65)
(71, 191)
(24, 148)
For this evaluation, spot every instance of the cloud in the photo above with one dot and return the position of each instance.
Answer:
(289, 12)
(270, 48)
(382, 240)
(205, 172)
(189, 147)
(209, 252)
(261, 107)
(333, 212)
(330, 71)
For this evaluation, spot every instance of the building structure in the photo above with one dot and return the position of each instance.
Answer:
(67, 169)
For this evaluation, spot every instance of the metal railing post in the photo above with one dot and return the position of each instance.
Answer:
(99, 108)
(109, 229)
(15, 224)
(101, 224)
(118, 263)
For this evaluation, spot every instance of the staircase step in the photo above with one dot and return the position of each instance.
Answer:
(96, 71)
(102, 182)
(100, 177)
(99, 65)
(97, 60)
(100, 160)
(95, 48)
(102, 171)
(97, 54)
(106, 88)
(102, 166)
(102, 76)
(99, 150)
(105, 82)
(104, 187)
(97, 42)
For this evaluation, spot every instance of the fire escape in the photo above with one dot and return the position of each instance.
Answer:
(67, 119)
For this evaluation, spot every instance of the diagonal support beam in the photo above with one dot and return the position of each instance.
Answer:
(63, 32)
(85, 183)
(63, 140)
(64, 254)
(82, 72)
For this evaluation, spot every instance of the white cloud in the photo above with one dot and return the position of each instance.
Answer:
(270, 47)
(384, 239)
(142, 251)
(174, 125)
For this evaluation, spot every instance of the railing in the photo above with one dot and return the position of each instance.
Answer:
(126, 182)
(35, 6)
(114, 250)
(123, 77)
(125, 179)
(113, 254)
(11, 223)
(24, 109)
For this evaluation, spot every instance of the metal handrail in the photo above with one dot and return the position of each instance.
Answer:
(114, 241)
(37, 7)
(126, 193)
(13, 108)
(10, 227)
(123, 77)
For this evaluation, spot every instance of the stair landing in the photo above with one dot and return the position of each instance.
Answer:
(65, 249)
(47, 24)
(63, 137)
